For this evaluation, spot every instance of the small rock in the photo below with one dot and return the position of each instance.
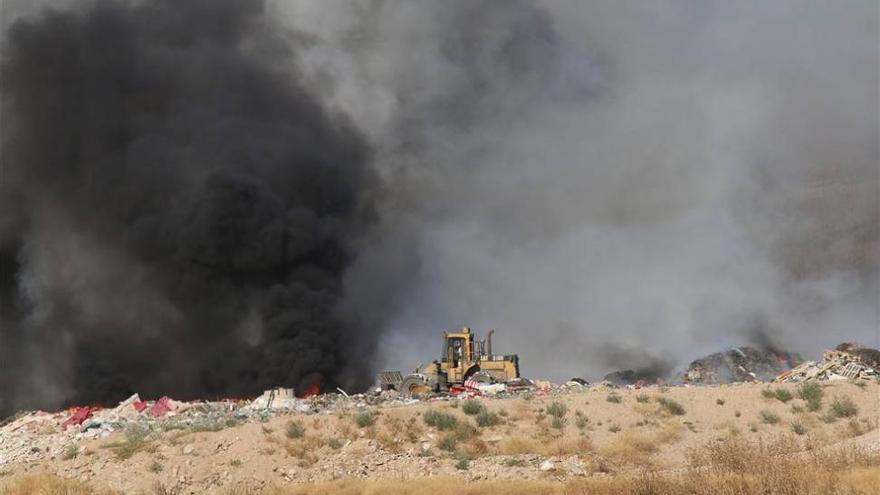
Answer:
(575, 468)
(547, 465)
(188, 449)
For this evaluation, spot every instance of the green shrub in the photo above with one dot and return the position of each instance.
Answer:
(783, 395)
(558, 423)
(464, 431)
(515, 462)
(581, 421)
(828, 417)
(462, 461)
(671, 406)
(447, 443)
(472, 408)
(811, 393)
(798, 428)
(642, 398)
(613, 398)
(557, 409)
(768, 394)
(364, 419)
(440, 420)
(843, 407)
(335, 443)
(769, 417)
(486, 418)
(295, 429)
(136, 440)
(71, 452)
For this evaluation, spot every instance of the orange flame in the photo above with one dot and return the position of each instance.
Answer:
(312, 390)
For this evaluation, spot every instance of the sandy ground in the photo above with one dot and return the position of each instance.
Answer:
(595, 437)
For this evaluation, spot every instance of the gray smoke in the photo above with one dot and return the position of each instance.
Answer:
(659, 180)
(654, 176)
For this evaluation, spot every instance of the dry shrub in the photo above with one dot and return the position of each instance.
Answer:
(794, 479)
(48, 485)
(547, 446)
(779, 465)
(475, 447)
(646, 408)
(670, 432)
(732, 468)
(566, 446)
(305, 449)
(389, 441)
(517, 445)
(632, 448)
(636, 446)
(520, 411)
(855, 428)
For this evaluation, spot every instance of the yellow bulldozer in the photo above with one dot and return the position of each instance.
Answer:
(464, 358)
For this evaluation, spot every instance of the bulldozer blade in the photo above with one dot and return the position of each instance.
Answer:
(390, 379)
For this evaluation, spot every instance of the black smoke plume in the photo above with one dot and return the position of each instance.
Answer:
(176, 207)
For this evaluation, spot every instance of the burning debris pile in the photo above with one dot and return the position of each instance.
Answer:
(740, 364)
(637, 378)
(848, 361)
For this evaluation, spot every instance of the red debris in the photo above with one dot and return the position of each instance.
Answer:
(139, 405)
(457, 390)
(162, 407)
(80, 414)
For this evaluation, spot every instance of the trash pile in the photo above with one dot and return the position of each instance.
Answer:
(740, 364)
(637, 378)
(848, 361)
(30, 436)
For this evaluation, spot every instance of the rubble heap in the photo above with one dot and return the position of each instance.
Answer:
(740, 364)
(638, 378)
(846, 362)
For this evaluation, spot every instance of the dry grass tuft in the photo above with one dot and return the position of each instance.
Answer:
(731, 467)
(635, 447)
(48, 485)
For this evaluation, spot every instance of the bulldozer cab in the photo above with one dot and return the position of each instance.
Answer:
(458, 355)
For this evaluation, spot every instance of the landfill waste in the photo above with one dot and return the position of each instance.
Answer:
(275, 398)
(638, 378)
(847, 361)
(33, 435)
(865, 355)
(740, 364)
(577, 382)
